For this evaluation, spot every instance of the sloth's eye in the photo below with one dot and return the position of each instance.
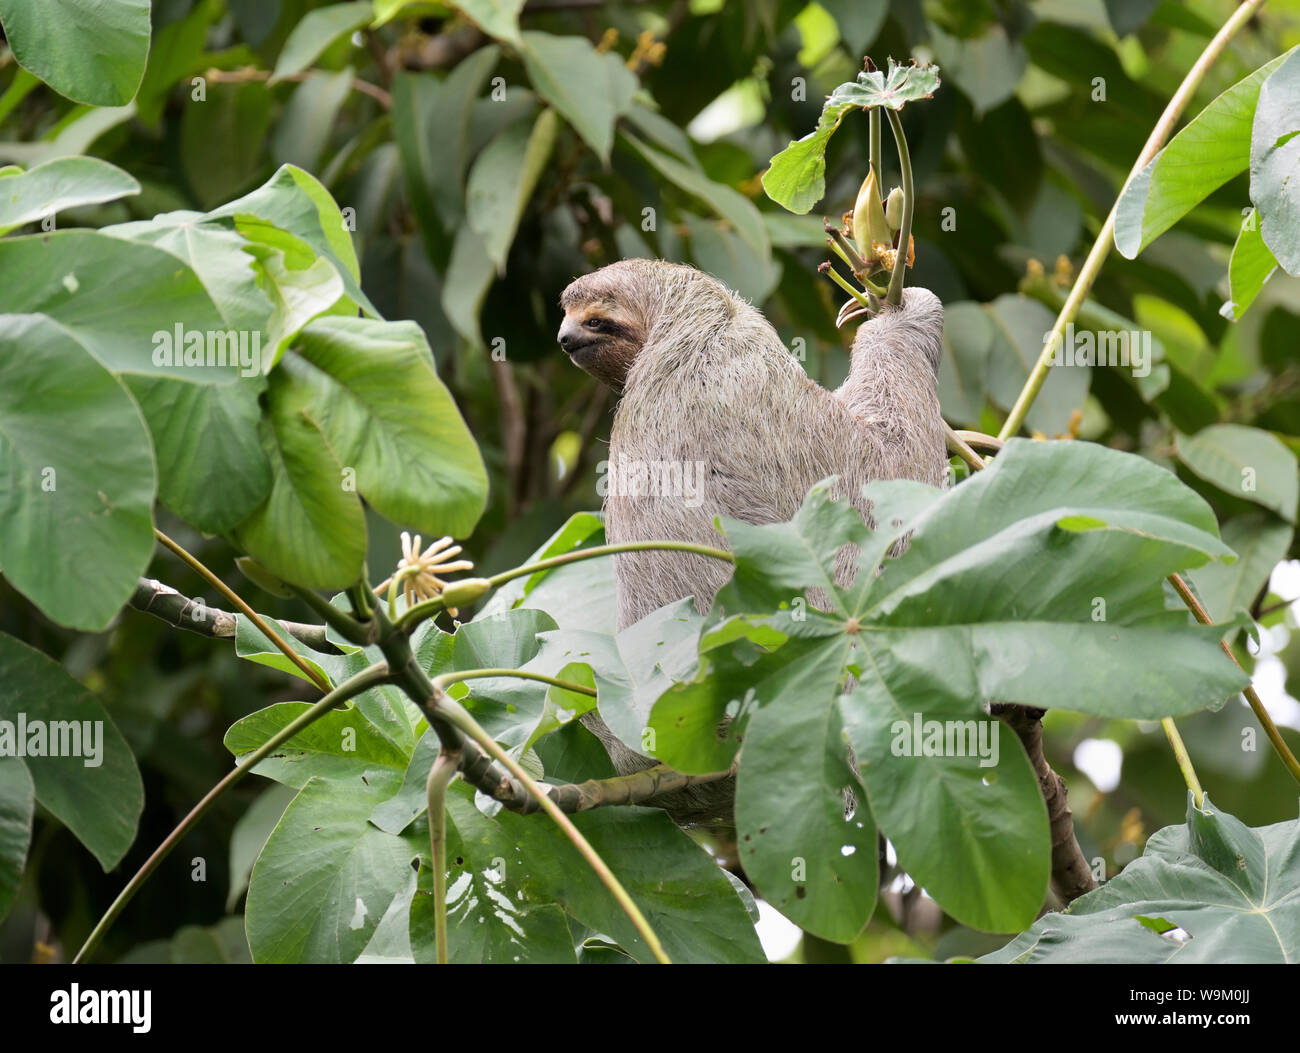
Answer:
(594, 323)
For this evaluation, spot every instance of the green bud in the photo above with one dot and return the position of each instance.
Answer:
(463, 593)
(894, 209)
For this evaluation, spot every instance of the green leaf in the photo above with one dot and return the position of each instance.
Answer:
(317, 31)
(591, 90)
(67, 182)
(367, 742)
(965, 775)
(579, 595)
(326, 876)
(215, 251)
(1275, 163)
(795, 819)
(310, 530)
(968, 338)
(722, 253)
(686, 898)
(487, 927)
(1249, 267)
(859, 21)
(222, 140)
(249, 836)
(1246, 462)
(1261, 542)
(497, 18)
(987, 68)
(469, 276)
(253, 645)
(1230, 890)
(296, 201)
(372, 389)
(730, 204)
(503, 179)
(90, 51)
(120, 300)
(17, 809)
(299, 284)
(212, 485)
(76, 517)
(432, 122)
(1213, 147)
(1020, 326)
(91, 784)
(309, 118)
(796, 178)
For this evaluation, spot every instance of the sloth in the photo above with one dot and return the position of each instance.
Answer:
(705, 379)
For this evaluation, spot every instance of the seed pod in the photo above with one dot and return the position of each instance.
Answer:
(894, 209)
(869, 226)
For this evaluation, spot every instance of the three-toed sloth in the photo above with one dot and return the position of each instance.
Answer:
(705, 380)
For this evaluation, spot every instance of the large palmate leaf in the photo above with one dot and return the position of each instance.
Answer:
(1038, 582)
(1212, 891)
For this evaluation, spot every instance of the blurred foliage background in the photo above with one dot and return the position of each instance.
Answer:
(486, 163)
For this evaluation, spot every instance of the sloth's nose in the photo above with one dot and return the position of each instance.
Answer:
(568, 335)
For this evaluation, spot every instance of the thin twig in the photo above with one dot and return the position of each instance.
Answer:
(1252, 696)
(314, 675)
(251, 73)
(959, 446)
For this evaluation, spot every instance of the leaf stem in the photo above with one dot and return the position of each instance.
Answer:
(441, 773)
(1184, 761)
(313, 675)
(1252, 696)
(843, 283)
(1101, 247)
(416, 614)
(895, 294)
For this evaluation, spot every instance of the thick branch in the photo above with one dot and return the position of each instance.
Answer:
(162, 601)
(1071, 875)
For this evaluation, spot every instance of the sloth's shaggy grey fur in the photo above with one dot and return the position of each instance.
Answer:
(705, 378)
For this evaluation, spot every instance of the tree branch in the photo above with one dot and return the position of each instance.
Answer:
(176, 609)
(1071, 875)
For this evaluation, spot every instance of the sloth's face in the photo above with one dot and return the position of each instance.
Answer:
(602, 333)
